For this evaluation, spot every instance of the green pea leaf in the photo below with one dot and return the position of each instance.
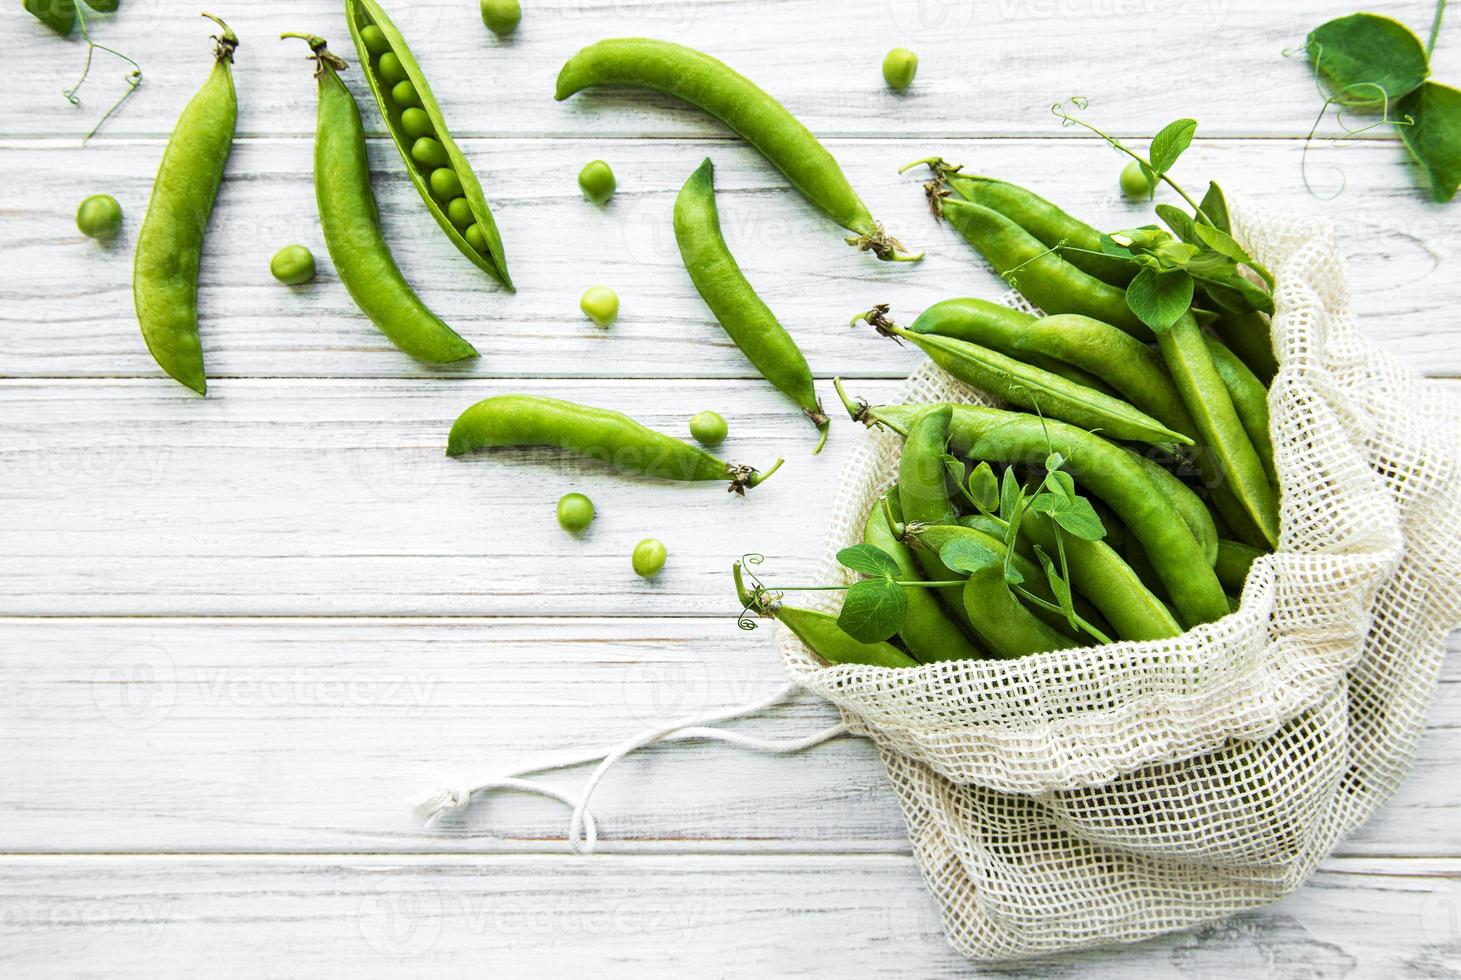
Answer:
(1434, 135)
(1159, 298)
(58, 15)
(1171, 143)
(1222, 243)
(1109, 246)
(1058, 585)
(869, 560)
(873, 611)
(1062, 483)
(103, 6)
(955, 468)
(984, 489)
(1054, 461)
(1080, 518)
(1009, 495)
(1179, 221)
(964, 555)
(1366, 60)
(1215, 206)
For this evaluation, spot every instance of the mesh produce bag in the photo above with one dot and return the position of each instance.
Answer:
(1109, 794)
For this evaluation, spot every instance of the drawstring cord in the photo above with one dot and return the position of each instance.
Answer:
(582, 829)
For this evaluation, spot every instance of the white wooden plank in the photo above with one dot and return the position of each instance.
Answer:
(649, 917)
(66, 308)
(990, 68)
(308, 735)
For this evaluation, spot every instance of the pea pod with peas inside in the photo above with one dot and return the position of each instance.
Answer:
(437, 168)
(596, 433)
(351, 224)
(697, 78)
(170, 244)
(744, 316)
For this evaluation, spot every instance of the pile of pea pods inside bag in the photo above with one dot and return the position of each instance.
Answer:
(1109, 794)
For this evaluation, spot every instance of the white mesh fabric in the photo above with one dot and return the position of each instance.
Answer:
(1109, 794)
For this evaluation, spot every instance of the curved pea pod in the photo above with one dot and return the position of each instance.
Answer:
(1186, 502)
(820, 632)
(711, 85)
(1041, 276)
(170, 244)
(1078, 242)
(744, 316)
(928, 631)
(1037, 389)
(1250, 400)
(488, 254)
(1235, 560)
(595, 433)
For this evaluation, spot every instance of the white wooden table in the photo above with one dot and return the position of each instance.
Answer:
(239, 632)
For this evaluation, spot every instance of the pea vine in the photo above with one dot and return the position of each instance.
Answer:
(1369, 65)
(64, 16)
(875, 607)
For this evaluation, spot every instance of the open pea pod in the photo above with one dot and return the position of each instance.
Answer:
(468, 224)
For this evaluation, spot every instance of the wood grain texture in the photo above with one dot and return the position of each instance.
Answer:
(650, 917)
(65, 302)
(236, 635)
(265, 735)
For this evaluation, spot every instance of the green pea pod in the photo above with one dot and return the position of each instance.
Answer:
(1078, 243)
(697, 78)
(1041, 276)
(1235, 560)
(820, 632)
(170, 244)
(928, 631)
(1186, 502)
(1105, 469)
(1250, 400)
(747, 320)
(1249, 336)
(923, 494)
(1112, 586)
(351, 224)
(1191, 366)
(1113, 356)
(932, 537)
(484, 246)
(597, 433)
(1039, 390)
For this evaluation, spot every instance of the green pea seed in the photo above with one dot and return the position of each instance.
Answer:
(417, 123)
(1134, 182)
(293, 265)
(600, 304)
(575, 512)
(649, 557)
(445, 183)
(597, 181)
(460, 213)
(429, 153)
(403, 93)
(375, 40)
(390, 68)
(476, 238)
(99, 217)
(501, 16)
(708, 429)
(899, 67)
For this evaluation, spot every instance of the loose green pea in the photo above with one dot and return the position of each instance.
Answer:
(293, 265)
(429, 153)
(403, 93)
(708, 429)
(1134, 182)
(649, 557)
(899, 67)
(417, 123)
(460, 212)
(597, 181)
(99, 217)
(445, 183)
(501, 16)
(476, 238)
(375, 40)
(390, 68)
(601, 304)
(575, 512)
